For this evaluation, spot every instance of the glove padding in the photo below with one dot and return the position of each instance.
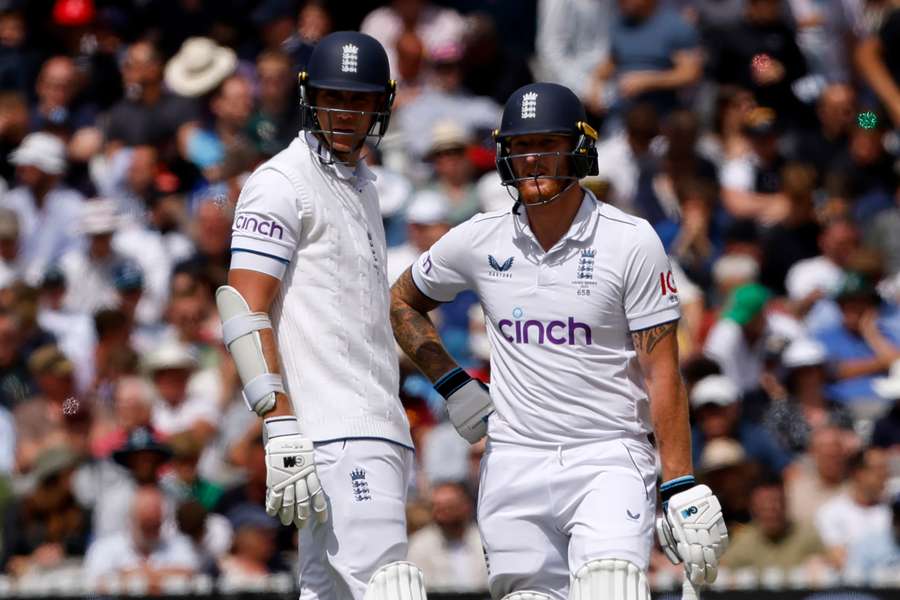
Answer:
(468, 403)
(293, 490)
(693, 531)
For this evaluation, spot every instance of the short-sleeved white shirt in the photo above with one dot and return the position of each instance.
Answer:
(563, 366)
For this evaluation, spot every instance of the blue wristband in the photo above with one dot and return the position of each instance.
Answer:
(451, 382)
(675, 486)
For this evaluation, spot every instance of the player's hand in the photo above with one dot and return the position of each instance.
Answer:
(293, 491)
(468, 403)
(693, 531)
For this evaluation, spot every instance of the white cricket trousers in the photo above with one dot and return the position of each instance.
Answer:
(366, 481)
(545, 513)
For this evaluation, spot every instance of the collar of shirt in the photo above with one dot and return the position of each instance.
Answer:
(581, 229)
(361, 173)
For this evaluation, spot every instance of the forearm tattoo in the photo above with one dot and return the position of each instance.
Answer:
(646, 340)
(414, 331)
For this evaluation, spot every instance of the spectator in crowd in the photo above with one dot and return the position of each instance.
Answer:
(573, 40)
(623, 157)
(142, 551)
(253, 552)
(16, 383)
(7, 450)
(886, 433)
(864, 171)
(148, 114)
(183, 482)
(449, 550)
(492, 70)
(436, 26)
(772, 539)
(45, 207)
(654, 55)
(314, 21)
(857, 347)
(453, 172)
(725, 466)
(737, 341)
(132, 407)
(10, 260)
(72, 328)
(211, 233)
(878, 551)
(820, 473)
(57, 109)
(802, 405)
(876, 58)
(427, 220)
(859, 511)
(273, 124)
(188, 397)
(47, 526)
(760, 53)
(881, 236)
(715, 402)
(824, 144)
(727, 138)
(751, 182)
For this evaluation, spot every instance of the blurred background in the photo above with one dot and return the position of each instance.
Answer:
(761, 139)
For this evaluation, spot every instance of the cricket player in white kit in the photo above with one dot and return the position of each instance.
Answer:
(305, 316)
(581, 309)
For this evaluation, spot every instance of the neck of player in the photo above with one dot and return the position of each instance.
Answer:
(550, 222)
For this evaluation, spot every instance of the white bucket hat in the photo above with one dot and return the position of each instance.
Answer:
(171, 354)
(428, 208)
(804, 352)
(889, 387)
(199, 66)
(42, 150)
(99, 216)
(714, 389)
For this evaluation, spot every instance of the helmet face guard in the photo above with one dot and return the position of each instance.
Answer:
(310, 121)
(582, 160)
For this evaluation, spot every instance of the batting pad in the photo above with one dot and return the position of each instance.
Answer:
(397, 581)
(610, 579)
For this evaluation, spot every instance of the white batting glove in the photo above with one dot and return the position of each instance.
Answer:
(293, 491)
(693, 530)
(468, 403)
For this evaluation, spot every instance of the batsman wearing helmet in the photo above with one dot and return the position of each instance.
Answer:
(305, 315)
(581, 309)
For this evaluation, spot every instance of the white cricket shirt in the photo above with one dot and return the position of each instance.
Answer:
(563, 367)
(318, 228)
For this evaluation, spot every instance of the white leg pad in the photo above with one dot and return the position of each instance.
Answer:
(610, 579)
(240, 333)
(526, 595)
(397, 581)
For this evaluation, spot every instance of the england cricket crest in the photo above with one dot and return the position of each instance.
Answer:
(529, 105)
(584, 272)
(361, 491)
(349, 58)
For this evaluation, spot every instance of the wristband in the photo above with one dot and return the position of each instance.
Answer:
(675, 486)
(451, 382)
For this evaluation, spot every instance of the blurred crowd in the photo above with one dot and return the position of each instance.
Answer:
(761, 139)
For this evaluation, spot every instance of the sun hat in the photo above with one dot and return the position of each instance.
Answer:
(42, 150)
(199, 67)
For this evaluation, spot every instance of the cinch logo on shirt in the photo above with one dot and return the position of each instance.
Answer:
(533, 331)
(261, 226)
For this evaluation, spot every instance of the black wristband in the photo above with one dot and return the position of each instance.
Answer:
(452, 381)
(676, 486)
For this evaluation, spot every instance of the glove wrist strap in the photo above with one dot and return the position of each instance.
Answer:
(676, 486)
(280, 426)
(451, 382)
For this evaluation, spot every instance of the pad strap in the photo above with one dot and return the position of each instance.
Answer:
(241, 325)
(259, 387)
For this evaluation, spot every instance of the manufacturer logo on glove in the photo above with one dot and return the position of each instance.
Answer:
(687, 512)
(291, 462)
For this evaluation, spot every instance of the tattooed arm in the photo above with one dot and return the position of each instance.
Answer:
(414, 331)
(657, 351)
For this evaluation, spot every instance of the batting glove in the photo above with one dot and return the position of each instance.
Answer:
(692, 529)
(293, 491)
(468, 403)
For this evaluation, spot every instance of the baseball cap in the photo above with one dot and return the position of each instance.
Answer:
(49, 360)
(714, 389)
(855, 285)
(141, 439)
(427, 208)
(746, 302)
(760, 122)
(721, 453)
(99, 216)
(804, 352)
(128, 277)
(53, 277)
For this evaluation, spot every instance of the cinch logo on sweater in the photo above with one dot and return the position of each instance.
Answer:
(262, 226)
(532, 331)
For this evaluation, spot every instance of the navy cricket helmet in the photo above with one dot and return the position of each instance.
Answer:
(351, 61)
(551, 109)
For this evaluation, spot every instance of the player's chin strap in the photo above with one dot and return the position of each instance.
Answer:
(397, 581)
(240, 333)
(609, 579)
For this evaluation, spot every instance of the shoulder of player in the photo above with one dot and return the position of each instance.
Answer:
(484, 224)
(615, 225)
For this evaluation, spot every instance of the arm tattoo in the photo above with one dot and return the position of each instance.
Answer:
(646, 340)
(414, 331)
